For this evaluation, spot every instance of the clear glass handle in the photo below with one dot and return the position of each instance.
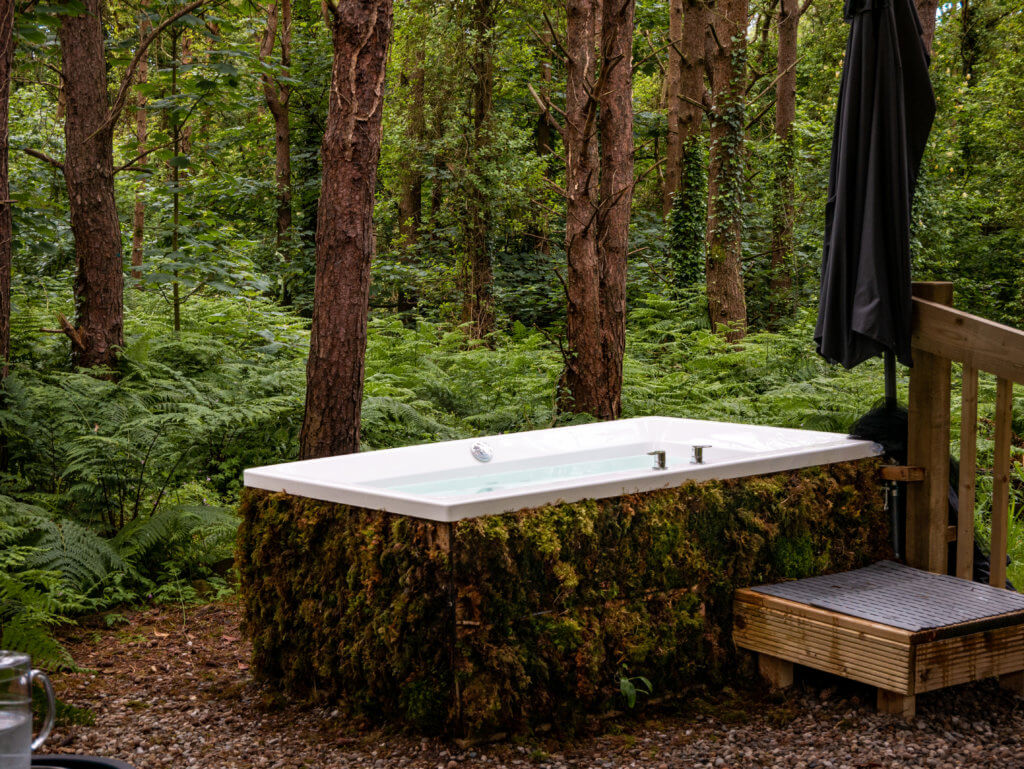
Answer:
(51, 707)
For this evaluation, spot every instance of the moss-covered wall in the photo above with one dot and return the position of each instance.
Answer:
(551, 606)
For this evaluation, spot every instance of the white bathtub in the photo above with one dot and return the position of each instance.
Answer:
(445, 482)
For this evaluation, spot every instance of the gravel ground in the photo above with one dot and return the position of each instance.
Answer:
(172, 689)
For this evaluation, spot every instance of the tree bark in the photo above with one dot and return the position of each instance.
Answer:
(6, 232)
(141, 120)
(781, 283)
(615, 123)
(674, 102)
(726, 300)
(481, 300)
(278, 95)
(926, 10)
(344, 237)
(410, 204)
(598, 139)
(583, 373)
(686, 89)
(89, 174)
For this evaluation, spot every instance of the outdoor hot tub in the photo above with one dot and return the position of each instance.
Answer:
(453, 480)
(496, 583)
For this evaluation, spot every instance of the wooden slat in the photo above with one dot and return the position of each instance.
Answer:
(867, 627)
(825, 647)
(1001, 482)
(953, 661)
(928, 445)
(901, 473)
(968, 473)
(831, 656)
(955, 335)
(863, 641)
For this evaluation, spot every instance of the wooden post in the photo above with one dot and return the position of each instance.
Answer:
(1013, 682)
(928, 447)
(968, 473)
(1001, 482)
(896, 704)
(776, 671)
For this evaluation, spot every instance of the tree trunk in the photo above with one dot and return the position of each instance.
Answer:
(344, 237)
(687, 56)
(277, 95)
(6, 64)
(481, 301)
(926, 10)
(583, 375)
(141, 119)
(89, 174)
(410, 205)
(615, 124)
(781, 285)
(726, 301)
(674, 102)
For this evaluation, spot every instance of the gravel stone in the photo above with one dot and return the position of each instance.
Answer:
(174, 689)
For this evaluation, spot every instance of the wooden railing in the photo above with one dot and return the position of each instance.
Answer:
(942, 335)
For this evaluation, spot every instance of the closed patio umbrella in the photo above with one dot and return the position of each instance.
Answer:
(885, 112)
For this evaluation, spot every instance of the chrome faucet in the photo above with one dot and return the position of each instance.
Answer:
(659, 459)
(698, 453)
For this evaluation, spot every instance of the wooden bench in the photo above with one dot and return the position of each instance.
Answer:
(902, 630)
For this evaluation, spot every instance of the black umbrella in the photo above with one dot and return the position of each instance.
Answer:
(885, 112)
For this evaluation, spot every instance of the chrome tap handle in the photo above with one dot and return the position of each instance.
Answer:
(659, 459)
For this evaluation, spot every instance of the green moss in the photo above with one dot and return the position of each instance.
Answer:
(501, 622)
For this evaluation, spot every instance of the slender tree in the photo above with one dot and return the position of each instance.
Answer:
(926, 10)
(141, 126)
(726, 300)
(481, 301)
(277, 92)
(781, 283)
(688, 24)
(6, 233)
(615, 124)
(584, 369)
(88, 169)
(410, 204)
(674, 105)
(598, 139)
(361, 31)
(89, 174)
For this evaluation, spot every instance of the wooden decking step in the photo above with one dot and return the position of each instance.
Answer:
(903, 630)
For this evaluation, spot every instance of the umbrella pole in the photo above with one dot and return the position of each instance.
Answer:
(893, 501)
(890, 379)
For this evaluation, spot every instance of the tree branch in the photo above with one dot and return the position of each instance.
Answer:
(43, 156)
(140, 156)
(126, 82)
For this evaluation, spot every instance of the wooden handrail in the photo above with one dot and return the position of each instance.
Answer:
(941, 335)
(976, 342)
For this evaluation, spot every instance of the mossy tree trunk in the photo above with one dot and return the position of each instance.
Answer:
(727, 307)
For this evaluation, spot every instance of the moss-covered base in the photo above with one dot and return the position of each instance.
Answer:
(509, 620)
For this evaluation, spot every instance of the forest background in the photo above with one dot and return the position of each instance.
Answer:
(120, 468)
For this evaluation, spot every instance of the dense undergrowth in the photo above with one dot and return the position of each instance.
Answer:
(121, 490)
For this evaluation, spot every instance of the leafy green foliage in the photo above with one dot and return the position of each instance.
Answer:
(688, 218)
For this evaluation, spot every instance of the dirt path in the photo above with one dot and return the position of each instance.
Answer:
(172, 689)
